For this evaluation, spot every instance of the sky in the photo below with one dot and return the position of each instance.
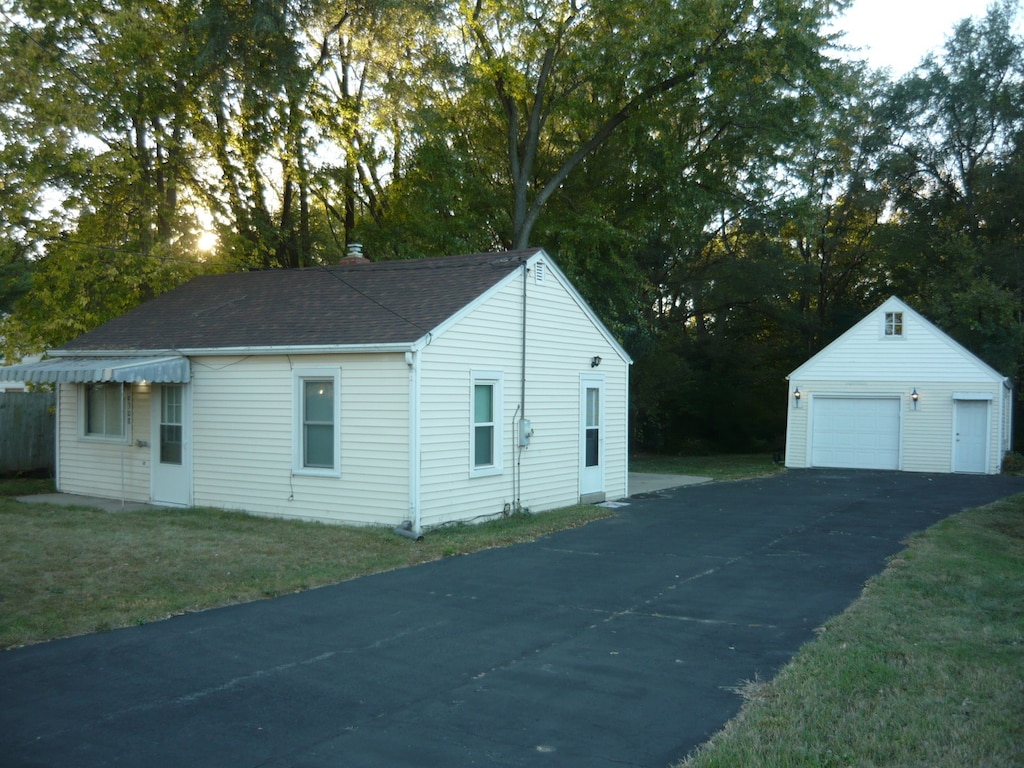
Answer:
(897, 34)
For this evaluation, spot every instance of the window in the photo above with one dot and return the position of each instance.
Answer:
(893, 323)
(485, 421)
(104, 407)
(317, 410)
(593, 427)
(172, 422)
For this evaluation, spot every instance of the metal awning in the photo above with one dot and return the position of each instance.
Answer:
(88, 370)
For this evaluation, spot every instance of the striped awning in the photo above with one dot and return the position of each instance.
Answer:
(89, 370)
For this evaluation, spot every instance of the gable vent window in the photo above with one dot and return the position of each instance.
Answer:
(893, 323)
(538, 272)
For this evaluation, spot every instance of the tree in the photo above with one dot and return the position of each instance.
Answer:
(956, 171)
(551, 82)
(94, 125)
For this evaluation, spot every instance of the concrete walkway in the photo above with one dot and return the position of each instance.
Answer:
(94, 502)
(643, 483)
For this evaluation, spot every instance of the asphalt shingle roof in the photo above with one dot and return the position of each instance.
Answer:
(372, 303)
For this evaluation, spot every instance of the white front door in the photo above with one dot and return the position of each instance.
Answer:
(970, 439)
(591, 435)
(170, 445)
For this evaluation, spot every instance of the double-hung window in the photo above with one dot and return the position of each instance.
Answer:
(485, 423)
(893, 324)
(317, 416)
(104, 411)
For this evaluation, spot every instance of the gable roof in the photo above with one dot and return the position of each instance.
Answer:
(374, 303)
(864, 353)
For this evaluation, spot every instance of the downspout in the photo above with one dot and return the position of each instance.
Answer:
(626, 454)
(412, 528)
(1009, 422)
(128, 427)
(56, 435)
(519, 439)
(1007, 398)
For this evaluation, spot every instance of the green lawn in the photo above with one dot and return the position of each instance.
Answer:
(67, 571)
(926, 669)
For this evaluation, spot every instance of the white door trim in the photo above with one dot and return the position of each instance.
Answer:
(971, 453)
(591, 436)
(171, 484)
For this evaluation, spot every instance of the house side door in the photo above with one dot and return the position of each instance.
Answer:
(171, 479)
(970, 439)
(591, 436)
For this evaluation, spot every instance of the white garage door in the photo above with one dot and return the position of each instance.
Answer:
(856, 432)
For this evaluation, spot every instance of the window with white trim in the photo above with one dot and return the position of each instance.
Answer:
(893, 324)
(104, 411)
(485, 424)
(317, 418)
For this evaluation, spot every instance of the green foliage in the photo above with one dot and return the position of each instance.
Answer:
(1013, 463)
(728, 196)
(79, 286)
(953, 249)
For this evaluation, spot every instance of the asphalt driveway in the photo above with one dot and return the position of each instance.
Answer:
(617, 644)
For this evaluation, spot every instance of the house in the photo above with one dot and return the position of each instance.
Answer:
(18, 386)
(895, 392)
(401, 393)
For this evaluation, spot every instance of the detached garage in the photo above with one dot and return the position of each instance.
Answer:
(895, 392)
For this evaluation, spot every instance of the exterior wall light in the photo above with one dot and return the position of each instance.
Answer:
(914, 396)
(796, 397)
(595, 361)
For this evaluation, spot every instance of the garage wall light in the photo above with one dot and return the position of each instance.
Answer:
(914, 396)
(796, 397)
(595, 361)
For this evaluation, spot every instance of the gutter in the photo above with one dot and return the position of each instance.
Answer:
(412, 528)
(309, 349)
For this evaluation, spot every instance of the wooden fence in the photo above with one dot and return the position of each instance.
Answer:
(27, 432)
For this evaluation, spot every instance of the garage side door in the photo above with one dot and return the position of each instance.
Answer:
(856, 432)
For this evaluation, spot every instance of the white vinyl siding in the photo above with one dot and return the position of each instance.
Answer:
(570, 342)
(250, 402)
(96, 467)
(863, 363)
(926, 431)
(242, 443)
(863, 354)
(560, 343)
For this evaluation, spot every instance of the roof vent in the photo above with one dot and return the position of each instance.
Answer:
(354, 255)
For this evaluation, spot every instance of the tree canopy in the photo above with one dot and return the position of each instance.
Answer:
(728, 190)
